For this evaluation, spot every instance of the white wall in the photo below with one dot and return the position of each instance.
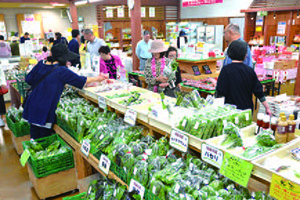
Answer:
(229, 8)
(89, 13)
(51, 18)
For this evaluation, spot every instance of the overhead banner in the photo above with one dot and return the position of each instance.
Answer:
(189, 3)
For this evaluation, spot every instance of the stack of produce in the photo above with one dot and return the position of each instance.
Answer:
(204, 84)
(124, 94)
(134, 99)
(16, 123)
(48, 155)
(209, 122)
(192, 100)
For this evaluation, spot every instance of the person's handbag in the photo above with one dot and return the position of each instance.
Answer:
(28, 92)
(3, 90)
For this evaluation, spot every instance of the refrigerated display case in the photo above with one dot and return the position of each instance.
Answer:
(211, 35)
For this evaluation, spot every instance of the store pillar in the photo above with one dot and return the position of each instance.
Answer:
(73, 12)
(136, 31)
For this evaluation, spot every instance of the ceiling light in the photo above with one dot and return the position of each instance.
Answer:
(57, 4)
(94, 1)
(78, 3)
(48, 7)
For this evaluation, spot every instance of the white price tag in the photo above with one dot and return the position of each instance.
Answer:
(130, 117)
(85, 147)
(196, 125)
(247, 116)
(179, 140)
(225, 122)
(236, 120)
(212, 155)
(219, 101)
(134, 185)
(104, 164)
(102, 102)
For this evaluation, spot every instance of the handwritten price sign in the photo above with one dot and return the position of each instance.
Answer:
(102, 102)
(104, 164)
(179, 140)
(284, 189)
(134, 185)
(85, 147)
(212, 155)
(130, 117)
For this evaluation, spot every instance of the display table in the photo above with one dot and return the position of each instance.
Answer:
(187, 64)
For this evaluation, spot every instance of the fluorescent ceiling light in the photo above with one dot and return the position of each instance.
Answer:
(78, 3)
(94, 1)
(57, 4)
(48, 7)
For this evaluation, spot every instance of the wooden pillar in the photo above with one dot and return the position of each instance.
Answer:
(73, 12)
(100, 23)
(136, 31)
(297, 87)
(179, 11)
(289, 26)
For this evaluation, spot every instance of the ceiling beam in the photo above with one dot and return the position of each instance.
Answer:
(35, 1)
(271, 9)
(144, 2)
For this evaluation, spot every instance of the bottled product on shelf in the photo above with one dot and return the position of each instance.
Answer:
(281, 132)
(291, 128)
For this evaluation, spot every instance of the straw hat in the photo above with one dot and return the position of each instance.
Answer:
(157, 46)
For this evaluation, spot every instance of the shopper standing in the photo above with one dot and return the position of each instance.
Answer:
(93, 44)
(24, 38)
(232, 33)
(172, 55)
(14, 46)
(155, 66)
(5, 50)
(237, 82)
(3, 85)
(74, 43)
(60, 39)
(109, 63)
(48, 79)
(142, 50)
(182, 39)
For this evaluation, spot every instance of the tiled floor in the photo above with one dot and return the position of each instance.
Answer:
(14, 180)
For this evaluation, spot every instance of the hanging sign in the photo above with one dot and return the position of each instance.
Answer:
(236, 169)
(120, 12)
(211, 155)
(152, 12)
(281, 28)
(104, 164)
(143, 12)
(179, 140)
(284, 189)
(189, 3)
(109, 13)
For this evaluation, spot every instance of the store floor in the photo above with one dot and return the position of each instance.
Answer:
(14, 179)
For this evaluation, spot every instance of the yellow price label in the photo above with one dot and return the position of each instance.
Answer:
(283, 189)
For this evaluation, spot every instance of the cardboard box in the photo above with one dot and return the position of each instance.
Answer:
(17, 141)
(54, 184)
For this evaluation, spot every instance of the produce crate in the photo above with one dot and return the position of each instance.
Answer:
(68, 129)
(76, 197)
(19, 129)
(50, 165)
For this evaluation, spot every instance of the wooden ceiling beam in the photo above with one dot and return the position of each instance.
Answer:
(271, 9)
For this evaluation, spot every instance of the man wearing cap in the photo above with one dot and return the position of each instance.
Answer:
(48, 80)
(142, 49)
(237, 82)
(232, 33)
(93, 44)
(25, 37)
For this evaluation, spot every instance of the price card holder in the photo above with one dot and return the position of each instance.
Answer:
(196, 70)
(212, 155)
(236, 169)
(85, 147)
(134, 185)
(179, 140)
(130, 117)
(104, 164)
(24, 157)
(284, 189)
(102, 102)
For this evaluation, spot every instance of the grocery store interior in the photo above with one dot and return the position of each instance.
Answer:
(150, 99)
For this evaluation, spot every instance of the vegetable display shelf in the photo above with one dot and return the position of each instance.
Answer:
(161, 127)
(80, 196)
(49, 165)
(284, 156)
(201, 90)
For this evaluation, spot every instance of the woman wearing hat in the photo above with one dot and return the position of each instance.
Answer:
(155, 66)
(237, 82)
(47, 80)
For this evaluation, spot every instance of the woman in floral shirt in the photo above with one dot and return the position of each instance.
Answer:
(154, 67)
